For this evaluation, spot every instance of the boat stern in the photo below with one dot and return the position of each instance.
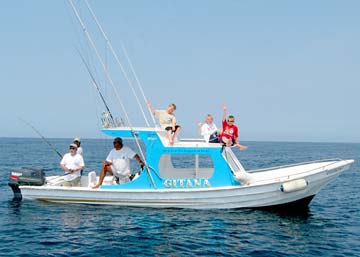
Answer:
(30, 176)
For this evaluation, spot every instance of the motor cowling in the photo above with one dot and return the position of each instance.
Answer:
(29, 176)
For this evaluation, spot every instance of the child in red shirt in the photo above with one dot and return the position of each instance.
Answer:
(230, 133)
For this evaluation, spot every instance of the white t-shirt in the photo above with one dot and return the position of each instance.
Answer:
(207, 130)
(79, 150)
(72, 162)
(120, 161)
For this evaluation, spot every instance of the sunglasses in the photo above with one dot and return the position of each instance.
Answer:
(230, 120)
(72, 148)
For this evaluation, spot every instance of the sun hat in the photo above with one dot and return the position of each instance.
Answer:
(73, 145)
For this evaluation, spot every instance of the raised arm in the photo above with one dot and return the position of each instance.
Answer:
(224, 113)
(151, 108)
(199, 124)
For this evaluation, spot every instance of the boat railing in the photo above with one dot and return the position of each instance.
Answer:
(295, 164)
(202, 140)
(108, 121)
(232, 160)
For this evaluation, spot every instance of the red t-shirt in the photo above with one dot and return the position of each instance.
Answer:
(229, 131)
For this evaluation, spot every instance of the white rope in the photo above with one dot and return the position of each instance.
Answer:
(112, 84)
(138, 83)
(117, 60)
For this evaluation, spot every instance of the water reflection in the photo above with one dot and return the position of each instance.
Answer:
(100, 229)
(294, 215)
(71, 219)
(14, 206)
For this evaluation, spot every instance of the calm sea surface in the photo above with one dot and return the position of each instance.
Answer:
(330, 227)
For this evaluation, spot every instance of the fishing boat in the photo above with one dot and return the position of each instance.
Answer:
(224, 185)
(211, 176)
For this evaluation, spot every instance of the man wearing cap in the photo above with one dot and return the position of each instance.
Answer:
(117, 163)
(72, 163)
(77, 142)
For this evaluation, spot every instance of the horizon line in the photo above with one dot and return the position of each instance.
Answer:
(252, 140)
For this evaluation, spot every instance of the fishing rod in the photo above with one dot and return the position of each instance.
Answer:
(95, 85)
(107, 73)
(43, 138)
(107, 41)
(138, 82)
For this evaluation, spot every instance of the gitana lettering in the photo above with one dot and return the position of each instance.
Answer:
(186, 183)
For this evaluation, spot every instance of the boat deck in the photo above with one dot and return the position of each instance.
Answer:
(128, 132)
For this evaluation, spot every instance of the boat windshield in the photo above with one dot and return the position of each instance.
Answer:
(174, 166)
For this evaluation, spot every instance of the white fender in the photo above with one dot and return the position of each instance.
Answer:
(294, 185)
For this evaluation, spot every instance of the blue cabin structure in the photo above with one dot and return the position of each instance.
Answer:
(161, 173)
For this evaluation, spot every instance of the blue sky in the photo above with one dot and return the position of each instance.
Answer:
(288, 71)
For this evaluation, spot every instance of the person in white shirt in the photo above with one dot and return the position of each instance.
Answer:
(72, 163)
(77, 142)
(117, 163)
(209, 130)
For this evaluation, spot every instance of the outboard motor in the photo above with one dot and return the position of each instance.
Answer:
(29, 176)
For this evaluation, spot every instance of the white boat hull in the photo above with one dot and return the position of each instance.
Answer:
(260, 193)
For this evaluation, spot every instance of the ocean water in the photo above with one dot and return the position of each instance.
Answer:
(330, 226)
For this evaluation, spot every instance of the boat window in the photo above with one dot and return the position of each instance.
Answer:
(186, 166)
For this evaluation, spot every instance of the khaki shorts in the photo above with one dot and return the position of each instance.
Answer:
(72, 183)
